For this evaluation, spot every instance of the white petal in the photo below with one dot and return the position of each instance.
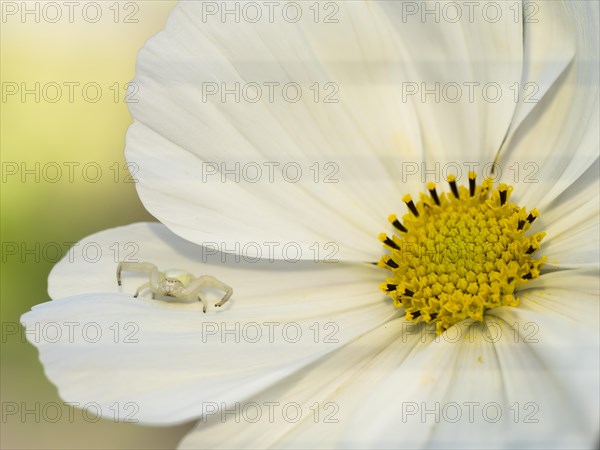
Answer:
(168, 359)
(578, 245)
(450, 395)
(305, 408)
(351, 397)
(571, 223)
(549, 47)
(580, 278)
(479, 56)
(559, 138)
(373, 135)
(408, 390)
(571, 294)
(568, 352)
(560, 314)
(349, 154)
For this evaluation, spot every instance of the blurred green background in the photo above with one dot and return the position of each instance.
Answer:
(41, 210)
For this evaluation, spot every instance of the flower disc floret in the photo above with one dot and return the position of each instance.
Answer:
(458, 254)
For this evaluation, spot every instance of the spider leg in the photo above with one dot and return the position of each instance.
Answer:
(228, 293)
(208, 281)
(204, 304)
(141, 288)
(135, 267)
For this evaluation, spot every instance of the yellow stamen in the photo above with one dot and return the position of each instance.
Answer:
(457, 255)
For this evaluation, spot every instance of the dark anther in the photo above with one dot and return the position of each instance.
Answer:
(408, 292)
(453, 188)
(391, 243)
(433, 316)
(413, 208)
(527, 277)
(521, 224)
(415, 314)
(391, 287)
(399, 226)
(530, 218)
(434, 196)
(391, 263)
(471, 187)
(502, 197)
(530, 250)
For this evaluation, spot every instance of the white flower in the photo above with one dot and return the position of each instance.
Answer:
(312, 355)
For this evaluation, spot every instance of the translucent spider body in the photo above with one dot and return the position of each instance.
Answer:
(174, 283)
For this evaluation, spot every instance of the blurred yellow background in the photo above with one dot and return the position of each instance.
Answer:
(64, 73)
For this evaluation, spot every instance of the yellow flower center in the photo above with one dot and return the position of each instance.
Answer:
(458, 254)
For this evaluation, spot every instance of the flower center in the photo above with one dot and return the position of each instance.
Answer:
(456, 255)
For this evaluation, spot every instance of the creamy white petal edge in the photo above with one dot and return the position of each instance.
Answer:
(366, 147)
(559, 139)
(572, 224)
(163, 362)
(526, 378)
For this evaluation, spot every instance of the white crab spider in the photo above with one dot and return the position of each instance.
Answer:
(174, 283)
